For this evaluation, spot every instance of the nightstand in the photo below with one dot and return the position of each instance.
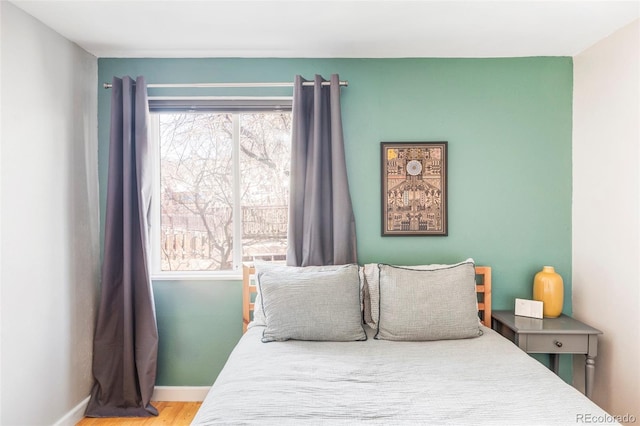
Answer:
(553, 336)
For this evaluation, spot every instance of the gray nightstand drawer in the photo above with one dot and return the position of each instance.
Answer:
(558, 343)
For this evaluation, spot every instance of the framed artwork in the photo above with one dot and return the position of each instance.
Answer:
(414, 188)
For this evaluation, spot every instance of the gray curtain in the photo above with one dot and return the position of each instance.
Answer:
(125, 344)
(321, 223)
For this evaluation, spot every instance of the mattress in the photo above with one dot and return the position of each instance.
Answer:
(481, 381)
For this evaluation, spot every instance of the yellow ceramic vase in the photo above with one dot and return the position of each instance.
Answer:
(548, 288)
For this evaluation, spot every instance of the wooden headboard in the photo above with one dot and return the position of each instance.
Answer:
(483, 289)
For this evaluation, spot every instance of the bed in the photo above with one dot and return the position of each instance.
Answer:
(388, 379)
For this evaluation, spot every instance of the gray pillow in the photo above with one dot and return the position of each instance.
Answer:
(311, 305)
(264, 266)
(372, 286)
(433, 304)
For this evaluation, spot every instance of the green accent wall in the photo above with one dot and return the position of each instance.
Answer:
(508, 124)
(199, 323)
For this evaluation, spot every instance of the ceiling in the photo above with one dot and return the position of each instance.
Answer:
(333, 28)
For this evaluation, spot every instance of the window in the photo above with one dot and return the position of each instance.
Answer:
(223, 189)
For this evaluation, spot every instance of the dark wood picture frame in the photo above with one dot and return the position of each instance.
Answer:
(414, 188)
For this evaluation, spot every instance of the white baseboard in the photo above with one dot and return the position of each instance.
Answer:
(180, 393)
(75, 415)
(160, 393)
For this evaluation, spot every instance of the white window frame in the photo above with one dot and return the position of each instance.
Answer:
(157, 274)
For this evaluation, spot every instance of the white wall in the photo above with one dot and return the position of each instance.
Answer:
(49, 222)
(606, 213)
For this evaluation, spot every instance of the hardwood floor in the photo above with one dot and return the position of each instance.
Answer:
(170, 413)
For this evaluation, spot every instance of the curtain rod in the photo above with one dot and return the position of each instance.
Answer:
(225, 85)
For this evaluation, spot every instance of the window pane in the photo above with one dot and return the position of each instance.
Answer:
(197, 188)
(196, 191)
(265, 155)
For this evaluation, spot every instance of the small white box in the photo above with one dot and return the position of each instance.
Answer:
(529, 308)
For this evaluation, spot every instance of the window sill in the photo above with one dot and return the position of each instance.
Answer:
(197, 276)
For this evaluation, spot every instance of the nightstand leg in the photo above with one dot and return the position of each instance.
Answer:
(589, 373)
(555, 362)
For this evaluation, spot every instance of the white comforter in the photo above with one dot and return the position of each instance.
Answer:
(481, 381)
